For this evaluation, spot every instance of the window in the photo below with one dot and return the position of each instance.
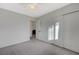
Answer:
(49, 33)
(56, 30)
(53, 32)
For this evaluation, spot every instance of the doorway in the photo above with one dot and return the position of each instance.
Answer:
(33, 33)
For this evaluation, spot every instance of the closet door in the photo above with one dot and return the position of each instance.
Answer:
(71, 31)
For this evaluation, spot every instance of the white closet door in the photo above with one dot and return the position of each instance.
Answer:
(71, 31)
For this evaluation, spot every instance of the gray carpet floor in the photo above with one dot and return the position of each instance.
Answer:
(35, 47)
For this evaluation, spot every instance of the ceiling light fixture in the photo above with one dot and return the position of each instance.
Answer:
(33, 6)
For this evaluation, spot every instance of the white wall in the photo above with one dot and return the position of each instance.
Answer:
(14, 28)
(69, 27)
(42, 28)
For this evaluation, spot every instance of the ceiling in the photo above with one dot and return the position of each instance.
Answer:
(35, 10)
